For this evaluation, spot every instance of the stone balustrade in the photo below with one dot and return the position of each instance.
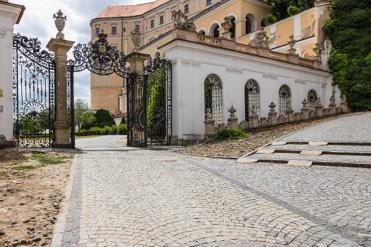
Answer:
(273, 118)
(290, 116)
(262, 51)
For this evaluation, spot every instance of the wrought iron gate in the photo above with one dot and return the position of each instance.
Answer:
(33, 93)
(149, 105)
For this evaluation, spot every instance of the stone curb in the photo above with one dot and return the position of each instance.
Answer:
(61, 219)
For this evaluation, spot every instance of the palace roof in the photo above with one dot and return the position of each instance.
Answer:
(130, 10)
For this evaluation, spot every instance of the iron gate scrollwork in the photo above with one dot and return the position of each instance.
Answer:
(33, 93)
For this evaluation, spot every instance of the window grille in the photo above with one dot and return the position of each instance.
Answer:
(252, 98)
(284, 99)
(214, 98)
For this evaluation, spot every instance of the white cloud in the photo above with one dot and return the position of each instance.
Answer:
(38, 22)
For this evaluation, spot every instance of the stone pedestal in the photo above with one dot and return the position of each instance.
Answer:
(10, 14)
(344, 104)
(305, 110)
(272, 115)
(210, 129)
(232, 120)
(319, 108)
(62, 136)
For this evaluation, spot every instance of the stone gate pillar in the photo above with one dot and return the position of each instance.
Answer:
(60, 47)
(10, 14)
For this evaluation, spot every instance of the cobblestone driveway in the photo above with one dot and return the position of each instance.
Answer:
(158, 198)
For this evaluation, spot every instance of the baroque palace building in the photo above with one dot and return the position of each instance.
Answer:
(154, 22)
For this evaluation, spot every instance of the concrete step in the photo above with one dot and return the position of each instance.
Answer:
(324, 149)
(308, 159)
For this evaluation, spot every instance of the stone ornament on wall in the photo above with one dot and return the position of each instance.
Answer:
(181, 21)
(136, 37)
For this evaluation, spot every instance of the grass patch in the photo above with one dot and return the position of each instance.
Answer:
(47, 159)
(231, 134)
(27, 167)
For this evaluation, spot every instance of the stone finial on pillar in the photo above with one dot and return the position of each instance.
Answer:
(136, 37)
(305, 110)
(210, 129)
(232, 120)
(60, 47)
(272, 115)
(332, 106)
(291, 43)
(227, 25)
(60, 23)
(318, 108)
(344, 104)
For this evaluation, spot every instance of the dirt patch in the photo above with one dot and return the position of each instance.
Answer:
(31, 191)
(237, 148)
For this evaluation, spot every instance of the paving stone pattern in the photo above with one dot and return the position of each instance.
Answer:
(356, 128)
(137, 197)
(157, 198)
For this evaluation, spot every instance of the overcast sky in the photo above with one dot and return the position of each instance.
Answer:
(38, 22)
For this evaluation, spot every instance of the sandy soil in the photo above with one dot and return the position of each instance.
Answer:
(31, 193)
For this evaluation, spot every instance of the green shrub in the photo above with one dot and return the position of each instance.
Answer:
(95, 131)
(231, 134)
(122, 129)
(123, 121)
(104, 118)
(114, 130)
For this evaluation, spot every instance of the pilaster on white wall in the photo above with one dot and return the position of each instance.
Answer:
(297, 27)
(9, 16)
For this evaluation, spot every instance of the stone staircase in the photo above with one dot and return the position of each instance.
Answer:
(352, 154)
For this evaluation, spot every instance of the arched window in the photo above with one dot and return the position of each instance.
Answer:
(284, 99)
(233, 28)
(214, 31)
(312, 98)
(252, 98)
(202, 32)
(250, 24)
(214, 98)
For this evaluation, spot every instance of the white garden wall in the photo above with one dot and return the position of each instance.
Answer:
(192, 63)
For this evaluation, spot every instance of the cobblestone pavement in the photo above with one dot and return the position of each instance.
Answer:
(136, 197)
(356, 128)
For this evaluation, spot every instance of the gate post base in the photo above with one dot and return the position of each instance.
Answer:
(62, 136)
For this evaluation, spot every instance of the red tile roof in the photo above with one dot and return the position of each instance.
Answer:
(130, 10)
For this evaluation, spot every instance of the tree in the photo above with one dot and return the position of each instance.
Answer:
(81, 107)
(349, 30)
(88, 120)
(104, 118)
(285, 8)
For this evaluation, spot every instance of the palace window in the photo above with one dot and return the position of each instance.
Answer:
(208, 2)
(312, 99)
(250, 24)
(152, 23)
(137, 27)
(284, 99)
(97, 30)
(214, 98)
(161, 19)
(186, 9)
(252, 98)
(114, 30)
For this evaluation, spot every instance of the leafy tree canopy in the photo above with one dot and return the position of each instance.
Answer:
(349, 30)
(104, 118)
(285, 8)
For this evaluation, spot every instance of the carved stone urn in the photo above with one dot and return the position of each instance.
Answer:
(60, 23)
